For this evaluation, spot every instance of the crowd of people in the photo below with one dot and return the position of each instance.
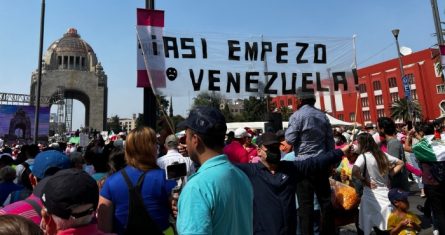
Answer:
(240, 182)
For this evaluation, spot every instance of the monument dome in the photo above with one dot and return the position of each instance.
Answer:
(70, 52)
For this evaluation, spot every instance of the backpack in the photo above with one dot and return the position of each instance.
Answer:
(139, 220)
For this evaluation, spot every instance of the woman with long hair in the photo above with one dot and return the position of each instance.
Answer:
(140, 155)
(373, 168)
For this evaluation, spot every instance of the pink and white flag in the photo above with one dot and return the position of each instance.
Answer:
(150, 22)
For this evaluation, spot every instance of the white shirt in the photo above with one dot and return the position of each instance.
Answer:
(174, 156)
(373, 169)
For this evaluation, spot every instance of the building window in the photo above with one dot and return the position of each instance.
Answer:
(281, 103)
(392, 82)
(289, 101)
(380, 113)
(71, 60)
(376, 85)
(340, 117)
(59, 59)
(77, 61)
(83, 62)
(362, 88)
(414, 94)
(366, 115)
(352, 117)
(365, 102)
(394, 97)
(411, 78)
(379, 99)
(440, 89)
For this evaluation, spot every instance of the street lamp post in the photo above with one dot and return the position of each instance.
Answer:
(395, 32)
(150, 105)
(39, 76)
(405, 82)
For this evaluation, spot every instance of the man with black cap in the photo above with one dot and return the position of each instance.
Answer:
(274, 184)
(45, 164)
(218, 198)
(70, 198)
(310, 134)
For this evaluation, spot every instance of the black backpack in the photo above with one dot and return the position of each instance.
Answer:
(139, 220)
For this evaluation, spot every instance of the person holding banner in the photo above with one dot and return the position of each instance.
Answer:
(311, 135)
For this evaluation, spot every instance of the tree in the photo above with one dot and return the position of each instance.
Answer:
(255, 109)
(208, 99)
(227, 114)
(114, 125)
(399, 110)
(286, 112)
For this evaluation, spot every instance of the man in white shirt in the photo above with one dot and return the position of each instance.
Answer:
(171, 144)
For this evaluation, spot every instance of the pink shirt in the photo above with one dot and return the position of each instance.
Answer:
(236, 152)
(24, 209)
(90, 229)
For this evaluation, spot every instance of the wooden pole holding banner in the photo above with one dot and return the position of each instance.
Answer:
(150, 104)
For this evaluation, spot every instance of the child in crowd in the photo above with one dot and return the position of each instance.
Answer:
(401, 221)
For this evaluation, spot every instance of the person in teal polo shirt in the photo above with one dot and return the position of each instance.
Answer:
(218, 198)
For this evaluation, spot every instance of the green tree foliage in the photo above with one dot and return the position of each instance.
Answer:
(114, 125)
(399, 110)
(255, 109)
(210, 99)
(227, 114)
(286, 112)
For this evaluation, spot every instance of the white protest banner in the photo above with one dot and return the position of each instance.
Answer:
(178, 64)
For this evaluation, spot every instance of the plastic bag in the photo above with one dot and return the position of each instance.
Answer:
(343, 196)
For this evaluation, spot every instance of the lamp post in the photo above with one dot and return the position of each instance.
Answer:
(405, 82)
(150, 105)
(39, 76)
(395, 32)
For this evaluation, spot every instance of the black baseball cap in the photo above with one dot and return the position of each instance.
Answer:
(67, 189)
(396, 194)
(205, 120)
(269, 138)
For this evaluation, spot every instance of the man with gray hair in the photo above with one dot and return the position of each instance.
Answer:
(70, 198)
(173, 155)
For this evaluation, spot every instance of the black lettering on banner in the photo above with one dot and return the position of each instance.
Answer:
(196, 84)
(281, 51)
(170, 44)
(250, 81)
(233, 47)
(265, 47)
(304, 47)
(293, 89)
(213, 79)
(340, 78)
(234, 81)
(305, 82)
(319, 85)
(251, 51)
(186, 46)
(270, 79)
(317, 48)
(154, 45)
(204, 48)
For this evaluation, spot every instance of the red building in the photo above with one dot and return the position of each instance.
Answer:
(381, 84)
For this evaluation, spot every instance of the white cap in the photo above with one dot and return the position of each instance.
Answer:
(240, 133)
